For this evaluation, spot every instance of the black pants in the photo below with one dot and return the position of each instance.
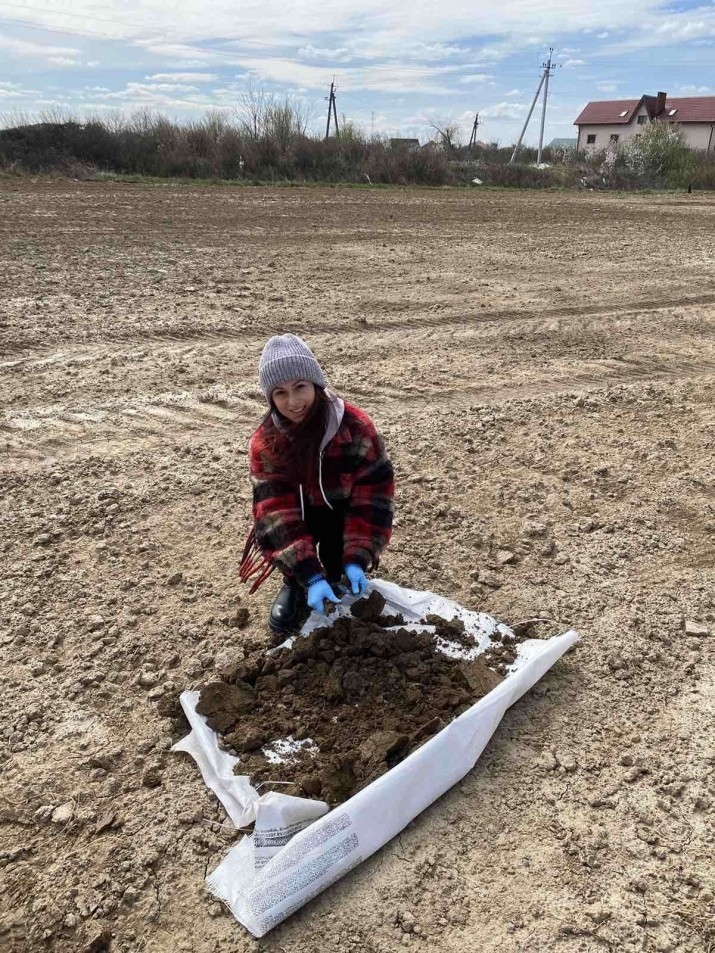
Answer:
(327, 528)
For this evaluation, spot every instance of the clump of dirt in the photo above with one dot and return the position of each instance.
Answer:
(451, 630)
(369, 609)
(352, 700)
(504, 649)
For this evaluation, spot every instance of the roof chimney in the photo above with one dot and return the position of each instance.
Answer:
(659, 103)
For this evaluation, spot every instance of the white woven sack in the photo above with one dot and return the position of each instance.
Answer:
(298, 847)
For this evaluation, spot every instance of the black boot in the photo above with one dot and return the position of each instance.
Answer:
(288, 610)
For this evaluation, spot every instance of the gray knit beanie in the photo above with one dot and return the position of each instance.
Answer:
(286, 357)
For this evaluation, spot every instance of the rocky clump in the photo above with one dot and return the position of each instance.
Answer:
(351, 700)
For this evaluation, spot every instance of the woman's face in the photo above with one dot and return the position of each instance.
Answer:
(294, 399)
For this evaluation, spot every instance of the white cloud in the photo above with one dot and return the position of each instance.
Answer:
(179, 53)
(394, 58)
(182, 77)
(160, 104)
(387, 78)
(475, 78)
(696, 25)
(25, 49)
(157, 91)
(316, 53)
(404, 47)
(505, 110)
(689, 89)
(404, 28)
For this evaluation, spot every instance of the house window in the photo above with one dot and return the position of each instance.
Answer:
(591, 139)
(642, 120)
(614, 137)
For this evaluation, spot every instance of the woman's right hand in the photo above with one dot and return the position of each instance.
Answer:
(318, 592)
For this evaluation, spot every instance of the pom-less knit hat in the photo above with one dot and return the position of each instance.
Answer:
(286, 357)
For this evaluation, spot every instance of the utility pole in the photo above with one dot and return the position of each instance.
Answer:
(547, 73)
(547, 67)
(473, 137)
(331, 106)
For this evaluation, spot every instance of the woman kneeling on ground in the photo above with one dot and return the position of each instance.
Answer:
(323, 488)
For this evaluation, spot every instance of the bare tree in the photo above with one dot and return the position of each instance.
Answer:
(350, 131)
(287, 119)
(448, 134)
(252, 110)
(260, 114)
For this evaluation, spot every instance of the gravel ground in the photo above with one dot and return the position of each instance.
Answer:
(542, 367)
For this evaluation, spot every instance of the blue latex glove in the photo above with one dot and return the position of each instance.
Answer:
(356, 578)
(318, 592)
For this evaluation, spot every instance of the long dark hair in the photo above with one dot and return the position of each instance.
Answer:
(298, 454)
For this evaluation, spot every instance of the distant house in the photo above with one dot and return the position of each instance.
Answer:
(406, 144)
(602, 124)
(562, 144)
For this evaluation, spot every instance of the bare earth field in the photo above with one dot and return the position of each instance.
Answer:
(543, 369)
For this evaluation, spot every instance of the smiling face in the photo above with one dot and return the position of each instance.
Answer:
(294, 399)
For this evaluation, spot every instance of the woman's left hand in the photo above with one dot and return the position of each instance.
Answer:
(357, 579)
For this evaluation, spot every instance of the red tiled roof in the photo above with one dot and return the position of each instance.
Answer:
(607, 113)
(689, 109)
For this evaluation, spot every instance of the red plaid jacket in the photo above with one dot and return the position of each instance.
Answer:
(356, 472)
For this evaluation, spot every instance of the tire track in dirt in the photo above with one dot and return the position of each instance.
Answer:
(486, 315)
(261, 326)
(571, 381)
(64, 434)
(493, 377)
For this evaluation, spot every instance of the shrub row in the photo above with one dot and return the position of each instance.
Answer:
(196, 150)
(274, 147)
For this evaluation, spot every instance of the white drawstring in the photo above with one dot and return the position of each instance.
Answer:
(320, 480)
(302, 504)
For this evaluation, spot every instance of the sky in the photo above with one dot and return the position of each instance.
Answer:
(400, 68)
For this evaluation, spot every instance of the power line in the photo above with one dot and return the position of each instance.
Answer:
(209, 51)
(32, 25)
(426, 71)
(66, 13)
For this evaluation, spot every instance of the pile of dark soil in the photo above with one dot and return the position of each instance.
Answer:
(363, 696)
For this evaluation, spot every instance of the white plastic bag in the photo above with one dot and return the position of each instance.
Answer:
(299, 847)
